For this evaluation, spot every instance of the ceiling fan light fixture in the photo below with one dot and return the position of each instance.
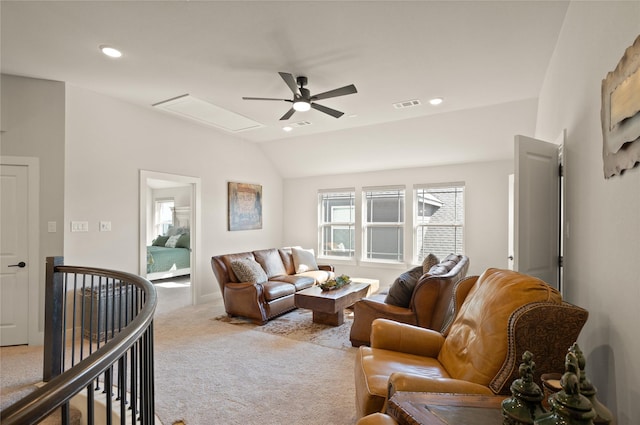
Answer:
(301, 105)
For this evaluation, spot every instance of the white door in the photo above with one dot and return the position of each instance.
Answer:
(14, 267)
(537, 209)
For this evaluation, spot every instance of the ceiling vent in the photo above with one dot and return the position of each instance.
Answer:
(300, 124)
(205, 112)
(407, 104)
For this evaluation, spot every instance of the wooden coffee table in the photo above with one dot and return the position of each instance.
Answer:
(328, 306)
(414, 408)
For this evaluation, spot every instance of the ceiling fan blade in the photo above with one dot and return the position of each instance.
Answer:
(342, 91)
(288, 114)
(265, 98)
(291, 82)
(332, 112)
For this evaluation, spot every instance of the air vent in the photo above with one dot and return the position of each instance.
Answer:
(300, 124)
(407, 104)
(205, 112)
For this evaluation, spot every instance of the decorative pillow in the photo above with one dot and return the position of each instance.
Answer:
(160, 241)
(428, 262)
(183, 241)
(401, 290)
(248, 270)
(172, 241)
(304, 260)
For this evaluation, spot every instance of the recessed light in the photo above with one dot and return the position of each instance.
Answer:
(287, 128)
(436, 101)
(110, 51)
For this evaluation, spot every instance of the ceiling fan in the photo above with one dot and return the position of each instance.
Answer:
(302, 98)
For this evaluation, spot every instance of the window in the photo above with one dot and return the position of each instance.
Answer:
(163, 216)
(337, 223)
(383, 224)
(439, 220)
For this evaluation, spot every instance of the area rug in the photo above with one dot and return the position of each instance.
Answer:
(298, 324)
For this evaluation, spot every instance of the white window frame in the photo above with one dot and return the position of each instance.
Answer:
(159, 224)
(458, 224)
(400, 225)
(330, 226)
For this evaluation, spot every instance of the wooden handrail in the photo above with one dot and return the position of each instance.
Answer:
(60, 389)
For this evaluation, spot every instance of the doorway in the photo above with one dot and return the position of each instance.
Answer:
(169, 222)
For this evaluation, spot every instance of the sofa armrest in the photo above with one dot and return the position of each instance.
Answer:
(402, 381)
(245, 299)
(395, 336)
(326, 267)
(366, 310)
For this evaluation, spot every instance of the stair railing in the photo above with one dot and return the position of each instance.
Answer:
(98, 339)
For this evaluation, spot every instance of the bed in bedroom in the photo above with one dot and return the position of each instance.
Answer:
(169, 256)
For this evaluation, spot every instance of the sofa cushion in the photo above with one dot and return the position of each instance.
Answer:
(270, 261)
(298, 281)
(248, 270)
(319, 276)
(160, 240)
(401, 290)
(277, 289)
(428, 262)
(304, 260)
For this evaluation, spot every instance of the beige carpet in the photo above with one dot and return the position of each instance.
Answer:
(289, 371)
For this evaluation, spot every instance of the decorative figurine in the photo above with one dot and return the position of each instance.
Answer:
(603, 415)
(524, 406)
(568, 406)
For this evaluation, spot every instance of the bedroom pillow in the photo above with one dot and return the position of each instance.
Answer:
(172, 241)
(401, 290)
(304, 260)
(248, 270)
(184, 241)
(160, 241)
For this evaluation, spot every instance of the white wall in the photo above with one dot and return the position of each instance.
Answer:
(109, 141)
(603, 247)
(486, 210)
(33, 125)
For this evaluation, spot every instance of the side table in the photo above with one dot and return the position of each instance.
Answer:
(416, 408)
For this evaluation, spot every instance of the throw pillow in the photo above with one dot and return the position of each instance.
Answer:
(428, 262)
(184, 241)
(401, 290)
(160, 241)
(172, 241)
(304, 260)
(248, 270)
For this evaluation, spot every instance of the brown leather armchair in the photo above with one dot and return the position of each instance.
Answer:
(504, 314)
(432, 305)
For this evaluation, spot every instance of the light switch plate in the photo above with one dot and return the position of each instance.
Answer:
(79, 226)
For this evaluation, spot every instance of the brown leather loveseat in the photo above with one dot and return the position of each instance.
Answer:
(431, 304)
(261, 284)
(504, 314)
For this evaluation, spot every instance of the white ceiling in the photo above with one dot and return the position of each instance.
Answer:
(487, 59)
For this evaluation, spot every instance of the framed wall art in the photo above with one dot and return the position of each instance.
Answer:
(245, 206)
(620, 114)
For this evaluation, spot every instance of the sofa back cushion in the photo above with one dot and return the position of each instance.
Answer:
(270, 261)
(477, 343)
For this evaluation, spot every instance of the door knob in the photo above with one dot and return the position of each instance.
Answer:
(510, 257)
(21, 264)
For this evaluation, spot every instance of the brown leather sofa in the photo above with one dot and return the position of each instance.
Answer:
(431, 306)
(503, 314)
(273, 297)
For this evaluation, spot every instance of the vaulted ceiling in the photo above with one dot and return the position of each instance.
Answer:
(487, 59)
